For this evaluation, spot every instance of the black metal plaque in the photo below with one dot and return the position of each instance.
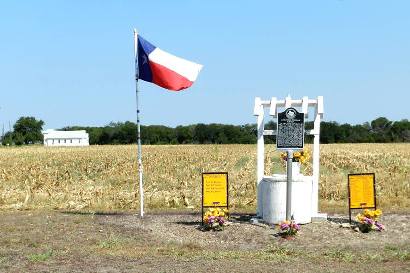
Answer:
(291, 130)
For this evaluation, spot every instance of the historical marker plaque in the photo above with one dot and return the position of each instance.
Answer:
(291, 130)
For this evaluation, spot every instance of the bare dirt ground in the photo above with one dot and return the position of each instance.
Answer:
(56, 241)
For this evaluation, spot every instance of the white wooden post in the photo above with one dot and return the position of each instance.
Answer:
(260, 158)
(316, 156)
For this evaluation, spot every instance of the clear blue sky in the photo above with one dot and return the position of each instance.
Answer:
(71, 62)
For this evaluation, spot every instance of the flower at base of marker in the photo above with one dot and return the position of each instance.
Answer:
(288, 228)
(368, 220)
(215, 219)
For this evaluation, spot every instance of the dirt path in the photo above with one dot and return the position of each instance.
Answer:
(52, 241)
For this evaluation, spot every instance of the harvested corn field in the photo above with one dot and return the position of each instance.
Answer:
(105, 177)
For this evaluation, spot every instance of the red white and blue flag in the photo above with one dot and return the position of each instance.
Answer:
(164, 69)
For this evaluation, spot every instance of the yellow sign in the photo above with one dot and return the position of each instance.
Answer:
(215, 189)
(361, 191)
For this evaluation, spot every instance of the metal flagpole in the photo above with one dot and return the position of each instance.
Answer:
(138, 125)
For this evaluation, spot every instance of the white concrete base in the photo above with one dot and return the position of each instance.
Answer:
(272, 199)
(319, 217)
(254, 220)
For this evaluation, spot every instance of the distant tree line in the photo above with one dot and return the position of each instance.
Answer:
(27, 130)
(126, 133)
(379, 130)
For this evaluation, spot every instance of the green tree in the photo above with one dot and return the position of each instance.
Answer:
(184, 134)
(249, 134)
(28, 130)
(8, 138)
(18, 138)
(401, 131)
(201, 134)
(380, 128)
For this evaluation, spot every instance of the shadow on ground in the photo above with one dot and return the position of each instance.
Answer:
(339, 219)
(236, 218)
(104, 213)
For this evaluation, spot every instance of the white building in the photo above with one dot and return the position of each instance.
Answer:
(65, 138)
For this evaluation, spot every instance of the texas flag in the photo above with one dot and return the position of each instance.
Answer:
(164, 69)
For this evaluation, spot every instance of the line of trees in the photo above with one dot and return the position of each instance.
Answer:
(380, 130)
(126, 133)
(27, 130)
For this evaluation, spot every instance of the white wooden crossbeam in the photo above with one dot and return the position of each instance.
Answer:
(274, 104)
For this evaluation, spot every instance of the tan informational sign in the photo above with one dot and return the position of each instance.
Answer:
(215, 190)
(362, 191)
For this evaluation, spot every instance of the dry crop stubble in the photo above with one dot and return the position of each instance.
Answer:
(105, 177)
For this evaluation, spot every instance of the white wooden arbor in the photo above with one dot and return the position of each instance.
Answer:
(303, 104)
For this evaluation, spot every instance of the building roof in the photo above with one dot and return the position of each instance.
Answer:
(51, 133)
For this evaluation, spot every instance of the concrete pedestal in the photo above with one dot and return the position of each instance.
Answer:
(272, 199)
